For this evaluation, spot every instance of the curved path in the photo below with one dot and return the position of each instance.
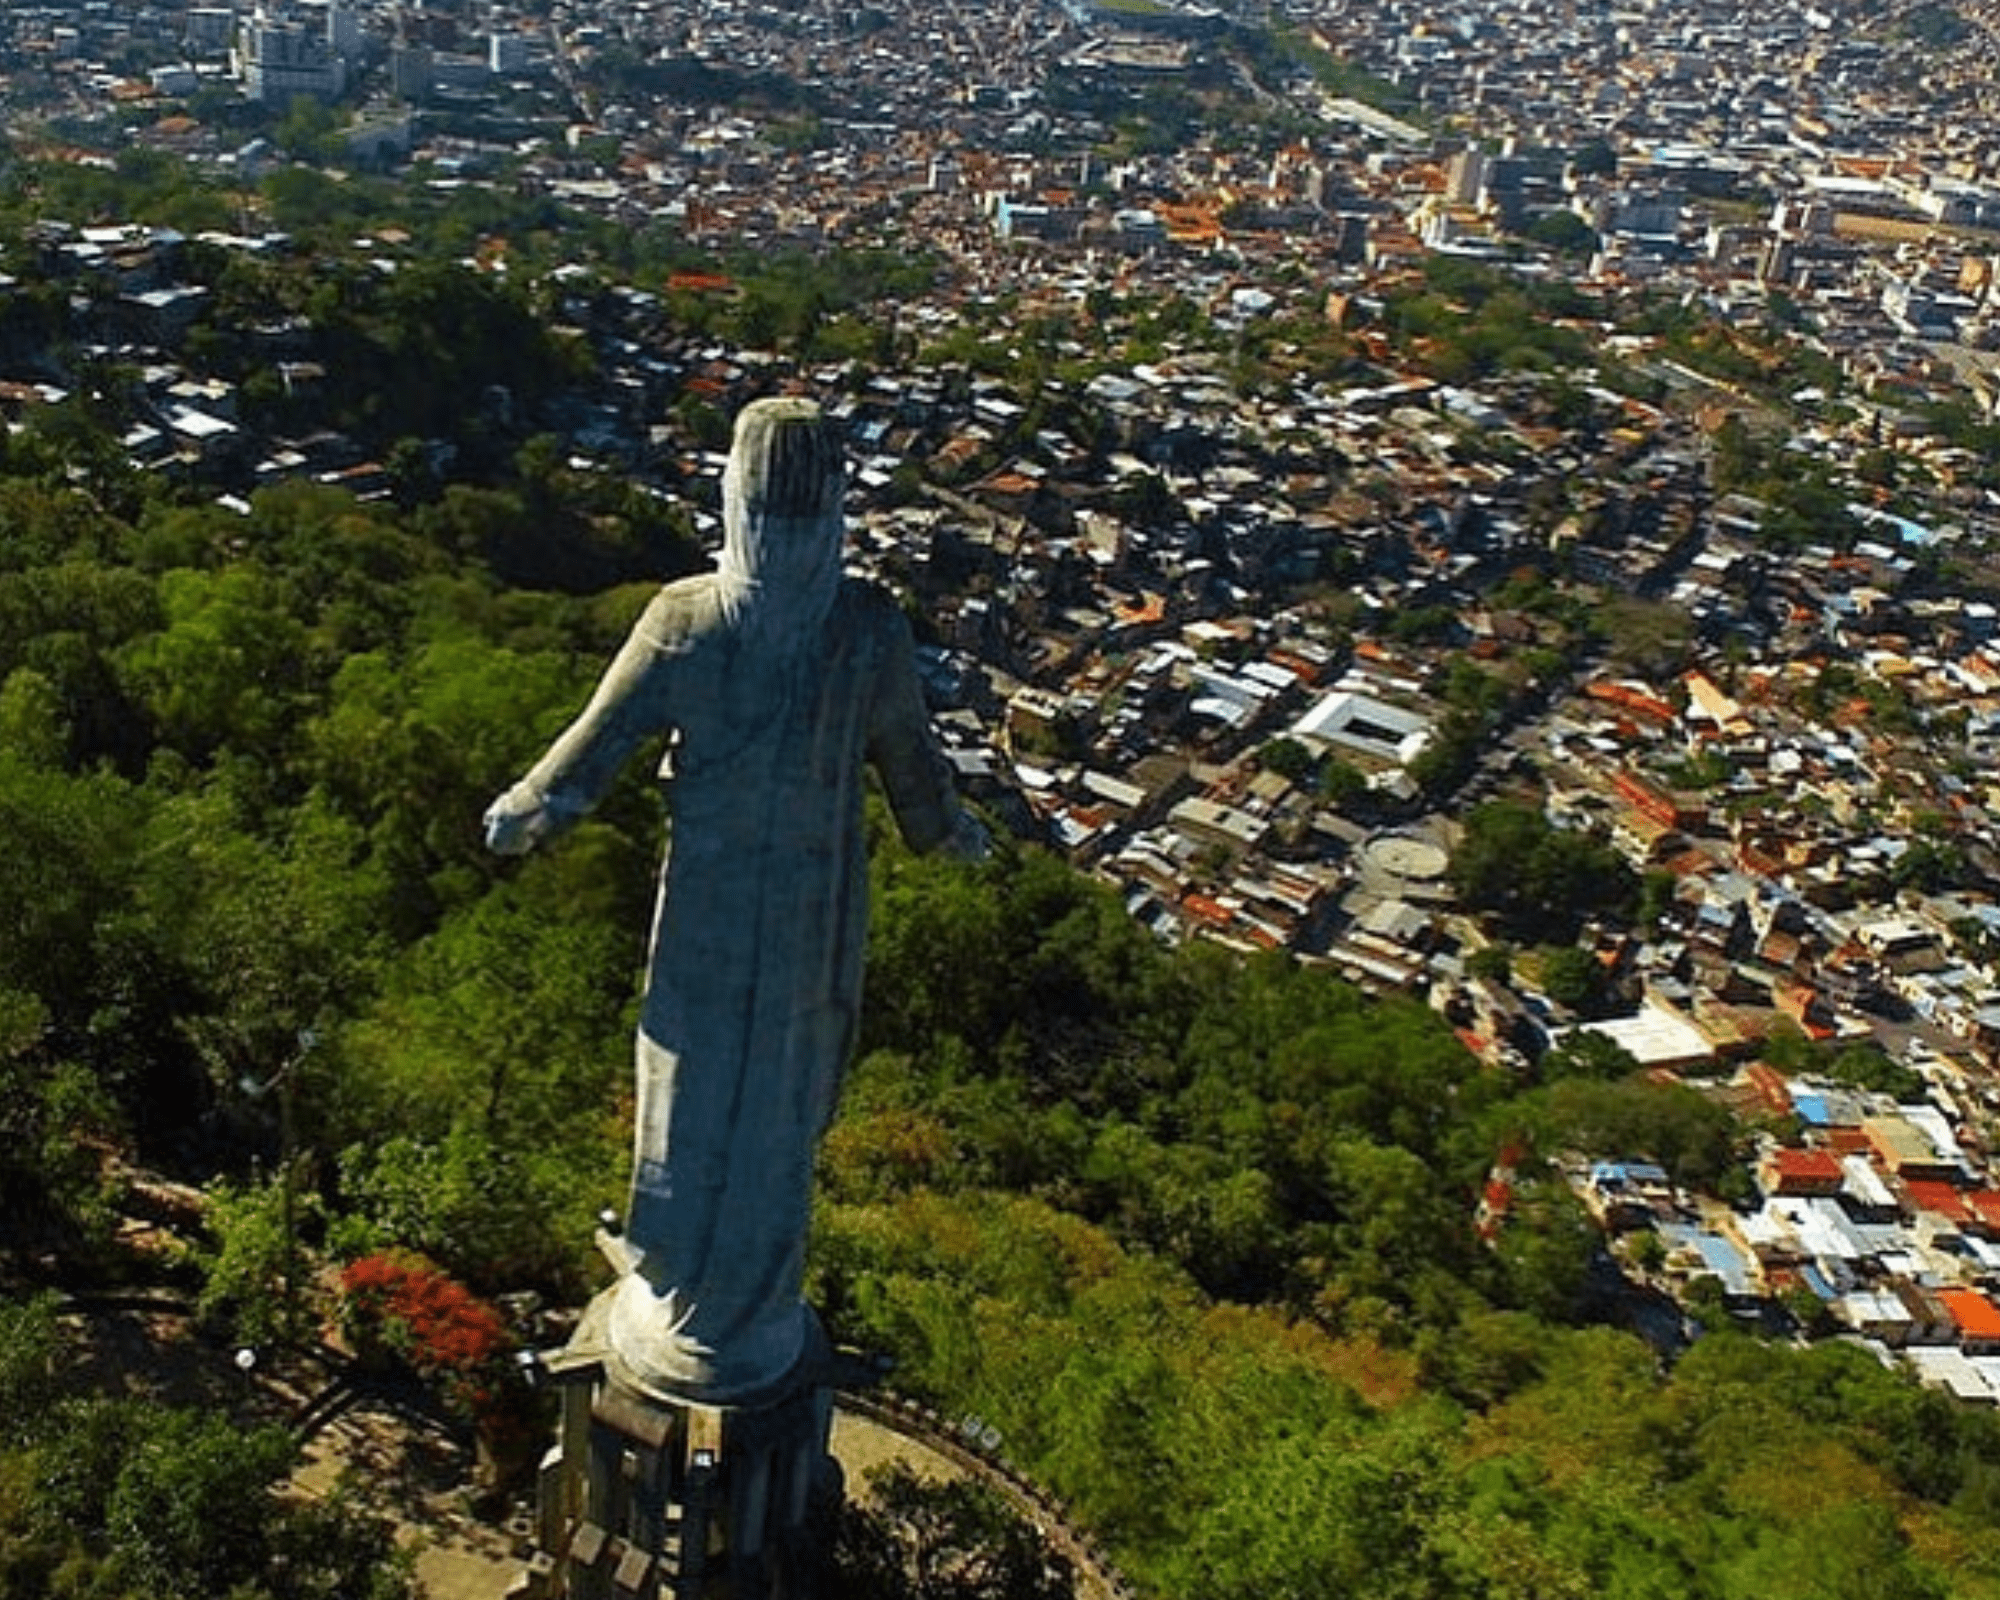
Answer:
(914, 1431)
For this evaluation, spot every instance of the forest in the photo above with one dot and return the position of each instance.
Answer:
(1195, 1233)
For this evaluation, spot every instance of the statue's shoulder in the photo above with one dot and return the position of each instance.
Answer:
(681, 613)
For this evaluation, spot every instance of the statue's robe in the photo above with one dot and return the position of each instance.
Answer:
(776, 681)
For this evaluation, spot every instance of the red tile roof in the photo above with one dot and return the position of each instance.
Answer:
(1806, 1166)
(1939, 1198)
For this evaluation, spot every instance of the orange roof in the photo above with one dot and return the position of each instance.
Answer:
(1976, 1316)
(1631, 699)
(1770, 1086)
(1297, 666)
(1203, 909)
(960, 448)
(1761, 862)
(1938, 1198)
(1149, 608)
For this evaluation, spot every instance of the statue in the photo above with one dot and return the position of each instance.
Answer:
(775, 678)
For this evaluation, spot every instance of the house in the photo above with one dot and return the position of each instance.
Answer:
(1907, 1151)
(1975, 1319)
(1786, 1171)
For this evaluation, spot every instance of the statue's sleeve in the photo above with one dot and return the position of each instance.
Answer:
(630, 704)
(901, 746)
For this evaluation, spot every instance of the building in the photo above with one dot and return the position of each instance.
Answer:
(281, 56)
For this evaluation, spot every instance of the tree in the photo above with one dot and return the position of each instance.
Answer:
(1574, 978)
(1852, 1552)
(307, 129)
(1691, 1136)
(908, 1539)
(1343, 783)
(66, 848)
(128, 1498)
(1494, 962)
(1564, 232)
(32, 724)
(252, 1274)
(1586, 1053)
(303, 199)
(1288, 758)
(1867, 1066)
(1348, 1511)
(30, 1345)
(1511, 861)
(1547, 1245)
(187, 1512)
(226, 670)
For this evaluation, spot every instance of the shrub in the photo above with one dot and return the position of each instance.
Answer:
(396, 1307)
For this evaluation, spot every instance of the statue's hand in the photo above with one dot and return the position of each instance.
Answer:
(969, 841)
(517, 822)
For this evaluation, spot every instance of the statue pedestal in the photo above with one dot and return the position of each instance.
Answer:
(649, 1497)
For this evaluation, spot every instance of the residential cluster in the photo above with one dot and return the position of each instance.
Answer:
(1880, 1224)
(1241, 631)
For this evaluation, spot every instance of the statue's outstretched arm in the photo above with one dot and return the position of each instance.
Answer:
(904, 751)
(629, 705)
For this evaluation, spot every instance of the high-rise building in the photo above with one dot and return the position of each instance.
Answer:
(281, 54)
(209, 29)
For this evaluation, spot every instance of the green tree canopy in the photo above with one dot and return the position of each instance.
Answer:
(1511, 861)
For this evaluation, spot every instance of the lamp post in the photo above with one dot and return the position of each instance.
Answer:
(281, 1080)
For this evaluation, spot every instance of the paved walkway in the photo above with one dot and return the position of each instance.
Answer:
(415, 1473)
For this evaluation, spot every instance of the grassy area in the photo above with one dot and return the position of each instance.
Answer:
(1340, 76)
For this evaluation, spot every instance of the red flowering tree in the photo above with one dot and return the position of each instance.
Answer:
(398, 1307)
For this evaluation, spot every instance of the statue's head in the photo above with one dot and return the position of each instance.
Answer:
(786, 460)
(781, 523)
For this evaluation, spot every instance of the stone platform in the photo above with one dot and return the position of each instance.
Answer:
(646, 1496)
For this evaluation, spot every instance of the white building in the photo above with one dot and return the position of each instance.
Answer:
(282, 54)
(1359, 724)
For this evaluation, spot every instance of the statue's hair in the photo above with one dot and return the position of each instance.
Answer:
(791, 457)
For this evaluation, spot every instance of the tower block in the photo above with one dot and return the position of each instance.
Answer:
(648, 1496)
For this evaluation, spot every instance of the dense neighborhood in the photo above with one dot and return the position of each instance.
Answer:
(1248, 634)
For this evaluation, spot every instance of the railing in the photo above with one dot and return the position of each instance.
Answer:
(973, 1447)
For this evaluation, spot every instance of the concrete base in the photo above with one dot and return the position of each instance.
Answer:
(647, 1496)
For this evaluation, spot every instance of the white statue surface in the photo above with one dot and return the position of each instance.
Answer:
(776, 680)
